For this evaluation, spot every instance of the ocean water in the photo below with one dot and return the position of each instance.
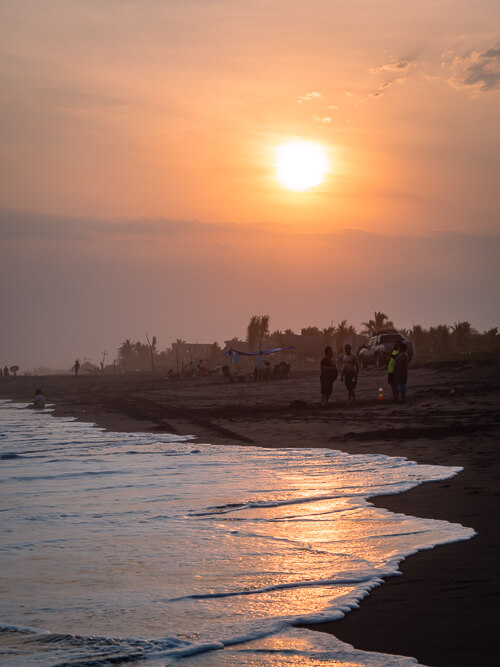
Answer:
(152, 549)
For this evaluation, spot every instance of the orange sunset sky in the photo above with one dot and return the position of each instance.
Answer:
(138, 189)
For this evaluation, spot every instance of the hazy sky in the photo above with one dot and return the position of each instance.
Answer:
(137, 184)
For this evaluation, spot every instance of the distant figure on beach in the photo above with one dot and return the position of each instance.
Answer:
(201, 369)
(350, 369)
(328, 375)
(6, 372)
(39, 400)
(76, 368)
(281, 370)
(401, 371)
(260, 366)
(391, 378)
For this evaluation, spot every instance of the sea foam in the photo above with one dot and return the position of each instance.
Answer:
(183, 549)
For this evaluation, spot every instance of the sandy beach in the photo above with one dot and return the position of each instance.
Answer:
(443, 609)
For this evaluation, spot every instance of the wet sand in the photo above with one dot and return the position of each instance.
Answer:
(443, 610)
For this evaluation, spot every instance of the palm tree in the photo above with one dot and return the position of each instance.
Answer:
(491, 334)
(263, 328)
(126, 354)
(462, 332)
(343, 333)
(380, 322)
(419, 337)
(152, 350)
(279, 337)
(328, 334)
(257, 331)
(253, 331)
(490, 339)
(440, 338)
(340, 334)
(141, 355)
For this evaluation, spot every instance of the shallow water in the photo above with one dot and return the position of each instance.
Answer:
(151, 548)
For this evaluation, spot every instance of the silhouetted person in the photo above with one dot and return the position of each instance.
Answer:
(350, 368)
(76, 368)
(328, 375)
(401, 371)
(39, 400)
(6, 372)
(391, 378)
(260, 366)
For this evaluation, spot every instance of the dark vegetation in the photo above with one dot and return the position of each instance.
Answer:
(459, 341)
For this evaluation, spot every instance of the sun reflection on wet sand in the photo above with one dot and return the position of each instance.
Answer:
(194, 543)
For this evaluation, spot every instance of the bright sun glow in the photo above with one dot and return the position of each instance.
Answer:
(301, 165)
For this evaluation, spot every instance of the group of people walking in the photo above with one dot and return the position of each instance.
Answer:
(348, 365)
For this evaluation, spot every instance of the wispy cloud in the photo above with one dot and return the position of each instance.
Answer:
(314, 95)
(70, 97)
(400, 66)
(477, 71)
(37, 227)
(326, 120)
(397, 70)
(17, 226)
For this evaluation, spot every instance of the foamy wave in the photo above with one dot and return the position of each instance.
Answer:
(110, 536)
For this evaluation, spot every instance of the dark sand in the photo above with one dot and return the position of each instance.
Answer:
(444, 609)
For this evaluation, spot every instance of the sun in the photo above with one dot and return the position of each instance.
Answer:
(301, 165)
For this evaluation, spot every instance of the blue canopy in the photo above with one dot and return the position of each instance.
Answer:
(235, 354)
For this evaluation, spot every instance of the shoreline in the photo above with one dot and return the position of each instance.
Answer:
(442, 610)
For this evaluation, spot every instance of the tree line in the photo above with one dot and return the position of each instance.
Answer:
(456, 341)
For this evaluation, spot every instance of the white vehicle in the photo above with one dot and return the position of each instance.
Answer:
(378, 348)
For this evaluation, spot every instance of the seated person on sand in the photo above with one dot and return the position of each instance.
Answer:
(281, 370)
(38, 401)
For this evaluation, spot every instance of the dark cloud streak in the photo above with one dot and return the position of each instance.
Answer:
(479, 70)
(26, 226)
